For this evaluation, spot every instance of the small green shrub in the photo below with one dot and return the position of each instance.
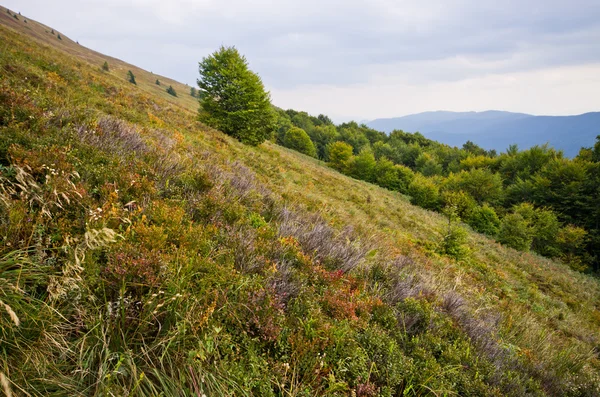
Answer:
(131, 77)
(171, 91)
(515, 232)
(484, 220)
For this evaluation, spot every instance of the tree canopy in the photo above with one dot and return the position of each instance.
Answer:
(233, 98)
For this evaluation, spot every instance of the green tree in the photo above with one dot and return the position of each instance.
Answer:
(455, 238)
(424, 192)
(105, 66)
(297, 139)
(171, 91)
(484, 220)
(339, 154)
(193, 92)
(515, 232)
(363, 166)
(233, 98)
(131, 77)
(428, 165)
(157, 82)
(482, 184)
(386, 174)
(323, 136)
(59, 37)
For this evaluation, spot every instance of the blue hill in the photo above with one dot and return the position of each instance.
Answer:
(497, 130)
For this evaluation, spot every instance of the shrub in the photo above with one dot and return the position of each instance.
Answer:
(297, 139)
(363, 166)
(339, 154)
(131, 77)
(424, 192)
(386, 175)
(484, 220)
(59, 37)
(515, 232)
(233, 98)
(157, 82)
(461, 202)
(171, 91)
(193, 92)
(105, 66)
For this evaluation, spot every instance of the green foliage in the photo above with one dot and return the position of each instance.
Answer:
(146, 259)
(157, 82)
(297, 139)
(424, 192)
(233, 98)
(386, 175)
(59, 37)
(484, 220)
(131, 77)
(460, 203)
(105, 66)
(363, 166)
(454, 241)
(428, 165)
(171, 91)
(339, 154)
(515, 232)
(481, 184)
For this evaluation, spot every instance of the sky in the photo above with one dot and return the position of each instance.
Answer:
(361, 60)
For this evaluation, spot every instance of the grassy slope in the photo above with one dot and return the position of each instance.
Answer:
(544, 315)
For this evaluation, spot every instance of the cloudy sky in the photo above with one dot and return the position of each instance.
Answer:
(361, 59)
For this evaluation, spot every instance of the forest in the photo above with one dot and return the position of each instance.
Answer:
(535, 199)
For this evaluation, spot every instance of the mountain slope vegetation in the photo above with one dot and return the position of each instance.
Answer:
(146, 254)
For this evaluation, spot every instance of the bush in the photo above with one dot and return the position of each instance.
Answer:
(339, 154)
(455, 238)
(386, 175)
(193, 92)
(363, 166)
(424, 192)
(297, 139)
(131, 77)
(157, 82)
(484, 220)
(171, 91)
(515, 232)
(105, 66)
(233, 98)
(462, 204)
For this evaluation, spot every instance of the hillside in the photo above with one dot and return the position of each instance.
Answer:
(497, 130)
(146, 254)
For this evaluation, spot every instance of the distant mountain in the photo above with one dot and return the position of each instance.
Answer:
(497, 130)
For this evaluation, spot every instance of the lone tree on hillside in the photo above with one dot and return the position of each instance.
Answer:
(193, 92)
(60, 38)
(233, 98)
(131, 77)
(105, 66)
(171, 91)
(157, 82)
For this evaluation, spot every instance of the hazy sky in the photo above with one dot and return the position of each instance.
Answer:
(361, 59)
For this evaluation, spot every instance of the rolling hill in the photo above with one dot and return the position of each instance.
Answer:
(497, 130)
(146, 254)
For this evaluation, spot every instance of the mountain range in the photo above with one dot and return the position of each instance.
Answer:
(498, 129)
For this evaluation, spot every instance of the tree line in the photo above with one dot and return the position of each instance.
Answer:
(534, 199)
